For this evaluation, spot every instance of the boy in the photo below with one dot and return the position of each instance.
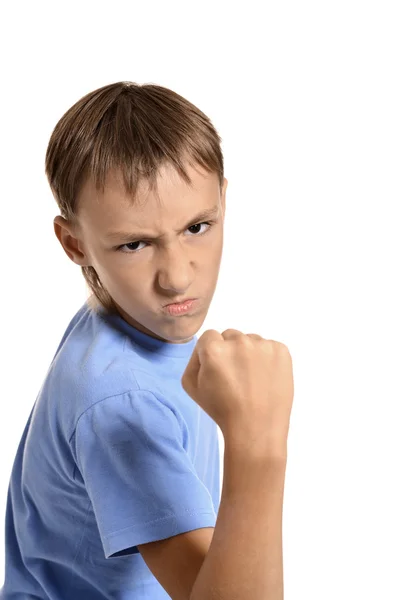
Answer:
(117, 461)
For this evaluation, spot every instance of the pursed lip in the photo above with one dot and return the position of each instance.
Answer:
(179, 302)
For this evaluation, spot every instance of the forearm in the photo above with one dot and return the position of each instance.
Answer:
(245, 558)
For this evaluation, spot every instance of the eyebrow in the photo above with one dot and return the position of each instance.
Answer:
(204, 215)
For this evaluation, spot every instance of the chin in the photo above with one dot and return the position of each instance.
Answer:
(187, 328)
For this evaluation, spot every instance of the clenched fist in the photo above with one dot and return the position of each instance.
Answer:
(245, 384)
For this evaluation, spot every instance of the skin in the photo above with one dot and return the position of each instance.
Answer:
(147, 274)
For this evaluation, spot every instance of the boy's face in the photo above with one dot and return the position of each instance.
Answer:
(146, 274)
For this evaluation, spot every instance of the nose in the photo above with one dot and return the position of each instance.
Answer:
(175, 272)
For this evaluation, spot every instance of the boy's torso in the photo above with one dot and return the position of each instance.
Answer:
(49, 517)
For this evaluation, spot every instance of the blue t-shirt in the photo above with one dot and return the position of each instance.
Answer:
(115, 453)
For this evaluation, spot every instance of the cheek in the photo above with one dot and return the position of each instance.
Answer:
(130, 280)
(215, 251)
(113, 272)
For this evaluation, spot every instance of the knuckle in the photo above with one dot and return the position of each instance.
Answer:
(283, 348)
(229, 333)
(212, 347)
(246, 341)
(255, 336)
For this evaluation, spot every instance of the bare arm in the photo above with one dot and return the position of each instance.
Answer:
(245, 557)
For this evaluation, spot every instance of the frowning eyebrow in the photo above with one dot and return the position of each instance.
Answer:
(204, 215)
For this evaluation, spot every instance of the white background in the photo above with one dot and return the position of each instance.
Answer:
(305, 96)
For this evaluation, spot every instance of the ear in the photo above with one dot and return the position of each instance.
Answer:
(69, 237)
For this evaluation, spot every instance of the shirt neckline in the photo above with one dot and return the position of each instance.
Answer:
(155, 345)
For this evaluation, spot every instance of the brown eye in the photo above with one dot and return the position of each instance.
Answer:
(137, 250)
(130, 244)
(198, 225)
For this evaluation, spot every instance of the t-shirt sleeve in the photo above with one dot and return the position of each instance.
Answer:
(140, 479)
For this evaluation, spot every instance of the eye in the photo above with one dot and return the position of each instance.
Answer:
(136, 250)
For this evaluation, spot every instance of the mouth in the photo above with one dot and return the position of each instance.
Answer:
(179, 303)
(180, 308)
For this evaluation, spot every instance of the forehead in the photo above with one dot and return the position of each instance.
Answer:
(171, 203)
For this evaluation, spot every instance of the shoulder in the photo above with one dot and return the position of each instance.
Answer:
(90, 366)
